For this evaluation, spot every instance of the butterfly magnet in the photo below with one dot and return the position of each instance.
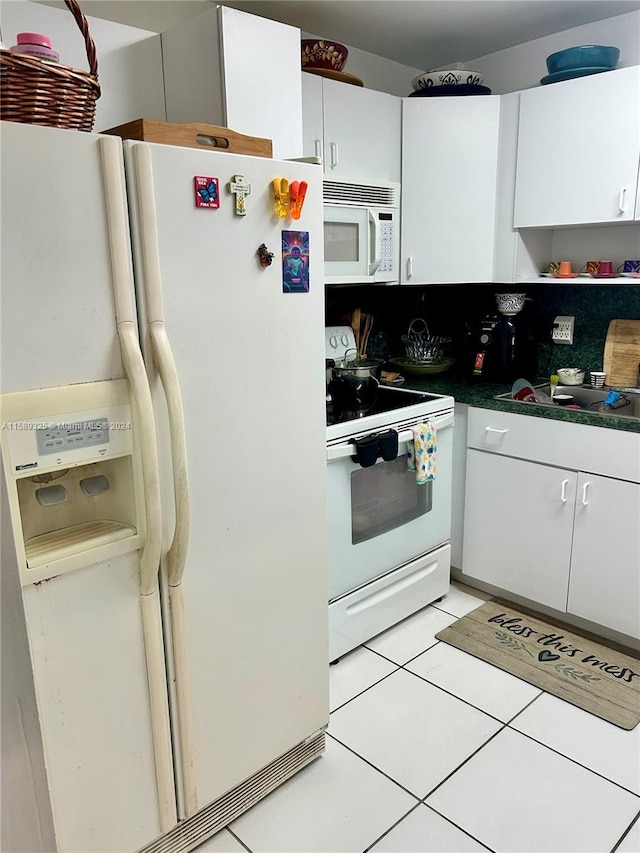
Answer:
(206, 192)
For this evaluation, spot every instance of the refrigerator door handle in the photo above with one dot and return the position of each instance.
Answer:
(163, 357)
(177, 554)
(122, 273)
(164, 360)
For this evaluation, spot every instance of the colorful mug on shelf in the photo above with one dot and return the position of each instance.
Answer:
(629, 266)
(565, 270)
(551, 268)
(590, 268)
(605, 268)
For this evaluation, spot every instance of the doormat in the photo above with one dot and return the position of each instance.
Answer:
(594, 677)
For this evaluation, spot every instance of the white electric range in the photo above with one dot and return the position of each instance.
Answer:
(388, 537)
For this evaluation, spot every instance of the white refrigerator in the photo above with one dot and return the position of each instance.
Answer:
(164, 622)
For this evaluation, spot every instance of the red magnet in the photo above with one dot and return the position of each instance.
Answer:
(206, 192)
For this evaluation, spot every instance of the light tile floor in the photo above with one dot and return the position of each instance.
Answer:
(430, 750)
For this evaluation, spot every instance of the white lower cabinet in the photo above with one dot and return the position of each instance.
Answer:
(566, 537)
(518, 526)
(604, 584)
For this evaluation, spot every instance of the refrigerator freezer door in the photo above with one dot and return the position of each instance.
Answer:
(85, 629)
(250, 361)
(87, 650)
(57, 320)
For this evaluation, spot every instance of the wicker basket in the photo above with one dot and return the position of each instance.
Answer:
(49, 93)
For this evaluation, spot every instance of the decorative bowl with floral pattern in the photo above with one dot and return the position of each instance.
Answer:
(460, 77)
(323, 53)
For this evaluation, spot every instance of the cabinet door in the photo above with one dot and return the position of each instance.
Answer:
(262, 98)
(361, 132)
(312, 126)
(449, 175)
(212, 74)
(578, 149)
(517, 526)
(604, 584)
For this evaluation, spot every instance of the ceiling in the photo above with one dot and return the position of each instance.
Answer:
(418, 33)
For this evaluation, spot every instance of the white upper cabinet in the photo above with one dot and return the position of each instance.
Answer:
(356, 131)
(578, 151)
(129, 59)
(449, 179)
(228, 68)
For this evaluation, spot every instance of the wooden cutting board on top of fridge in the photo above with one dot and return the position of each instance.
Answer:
(622, 353)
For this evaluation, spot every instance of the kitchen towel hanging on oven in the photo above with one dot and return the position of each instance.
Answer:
(422, 452)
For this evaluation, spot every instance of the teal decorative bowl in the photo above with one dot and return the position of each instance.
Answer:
(583, 56)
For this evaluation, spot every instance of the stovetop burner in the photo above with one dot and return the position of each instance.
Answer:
(392, 407)
(387, 399)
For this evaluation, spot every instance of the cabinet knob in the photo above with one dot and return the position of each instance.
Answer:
(585, 490)
(318, 147)
(409, 266)
(333, 147)
(563, 491)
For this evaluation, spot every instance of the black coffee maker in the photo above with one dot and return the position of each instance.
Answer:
(502, 347)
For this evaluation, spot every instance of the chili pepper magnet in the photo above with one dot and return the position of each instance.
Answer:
(298, 192)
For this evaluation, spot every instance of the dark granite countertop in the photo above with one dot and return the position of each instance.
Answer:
(482, 395)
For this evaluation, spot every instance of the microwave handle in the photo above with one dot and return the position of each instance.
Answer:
(345, 450)
(375, 260)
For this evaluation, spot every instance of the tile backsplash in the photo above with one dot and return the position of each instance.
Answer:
(448, 308)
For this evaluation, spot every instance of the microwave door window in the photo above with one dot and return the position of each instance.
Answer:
(341, 242)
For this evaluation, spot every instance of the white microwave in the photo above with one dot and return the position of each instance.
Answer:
(361, 232)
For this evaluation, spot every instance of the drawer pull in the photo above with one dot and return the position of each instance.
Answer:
(585, 489)
(563, 493)
(493, 429)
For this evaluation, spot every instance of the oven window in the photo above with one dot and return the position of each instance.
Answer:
(385, 496)
(341, 241)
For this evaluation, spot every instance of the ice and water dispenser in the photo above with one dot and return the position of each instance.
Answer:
(74, 476)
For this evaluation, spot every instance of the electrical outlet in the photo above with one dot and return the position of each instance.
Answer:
(562, 332)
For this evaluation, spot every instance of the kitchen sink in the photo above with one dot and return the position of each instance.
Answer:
(589, 399)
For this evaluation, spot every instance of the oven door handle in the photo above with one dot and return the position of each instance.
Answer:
(346, 450)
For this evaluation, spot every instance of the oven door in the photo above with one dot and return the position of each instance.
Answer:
(378, 517)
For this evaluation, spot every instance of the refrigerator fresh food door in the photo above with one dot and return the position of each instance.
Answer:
(249, 358)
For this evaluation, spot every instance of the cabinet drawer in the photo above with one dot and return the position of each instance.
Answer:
(597, 450)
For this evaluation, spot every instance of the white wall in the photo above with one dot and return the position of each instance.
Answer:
(523, 66)
(129, 59)
(377, 73)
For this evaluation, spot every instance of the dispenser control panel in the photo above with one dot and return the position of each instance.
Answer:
(55, 437)
(36, 443)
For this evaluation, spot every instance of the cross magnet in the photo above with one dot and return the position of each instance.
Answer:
(241, 190)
